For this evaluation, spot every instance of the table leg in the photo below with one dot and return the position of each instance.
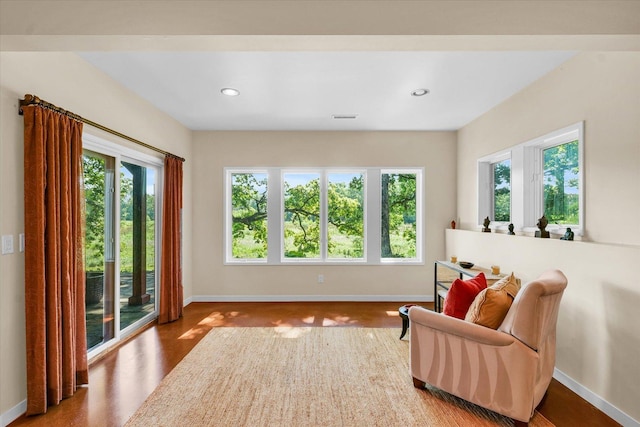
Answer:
(405, 325)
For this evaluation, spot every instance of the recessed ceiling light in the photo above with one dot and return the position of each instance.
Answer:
(229, 91)
(420, 92)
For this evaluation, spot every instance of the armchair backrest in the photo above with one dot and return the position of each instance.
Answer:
(533, 315)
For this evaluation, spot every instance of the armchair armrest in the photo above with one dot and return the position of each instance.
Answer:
(421, 317)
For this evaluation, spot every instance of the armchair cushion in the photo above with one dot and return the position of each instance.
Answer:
(461, 294)
(490, 306)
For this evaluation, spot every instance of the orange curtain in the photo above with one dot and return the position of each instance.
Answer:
(171, 299)
(54, 268)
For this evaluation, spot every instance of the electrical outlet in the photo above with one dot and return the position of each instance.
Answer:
(320, 278)
(7, 244)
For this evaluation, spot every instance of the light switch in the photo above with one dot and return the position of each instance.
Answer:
(7, 244)
(21, 242)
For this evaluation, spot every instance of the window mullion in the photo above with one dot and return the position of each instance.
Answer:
(275, 216)
(519, 187)
(372, 209)
(532, 194)
(324, 216)
(484, 191)
(492, 187)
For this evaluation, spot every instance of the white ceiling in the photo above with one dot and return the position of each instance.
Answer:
(302, 90)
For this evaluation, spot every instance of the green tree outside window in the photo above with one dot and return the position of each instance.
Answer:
(561, 184)
(398, 215)
(249, 215)
(502, 190)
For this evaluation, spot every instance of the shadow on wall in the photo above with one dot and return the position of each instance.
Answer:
(572, 333)
(623, 321)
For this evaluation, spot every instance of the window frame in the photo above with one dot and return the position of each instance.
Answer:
(275, 216)
(527, 181)
(419, 259)
(536, 183)
(325, 235)
(322, 220)
(486, 188)
(228, 216)
(493, 189)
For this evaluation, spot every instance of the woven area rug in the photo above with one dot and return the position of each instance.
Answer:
(304, 377)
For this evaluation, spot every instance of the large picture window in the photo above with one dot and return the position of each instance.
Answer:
(321, 215)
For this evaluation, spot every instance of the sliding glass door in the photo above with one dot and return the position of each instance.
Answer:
(137, 242)
(120, 244)
(100, 254)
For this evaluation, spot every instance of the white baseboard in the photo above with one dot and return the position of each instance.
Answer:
(187, 301)
(310, 298)
(12, 414)
(597, 401)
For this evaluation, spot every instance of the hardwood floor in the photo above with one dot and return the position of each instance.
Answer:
(123, 378)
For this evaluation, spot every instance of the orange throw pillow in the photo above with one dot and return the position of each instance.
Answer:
(490, 306)
(461, 294)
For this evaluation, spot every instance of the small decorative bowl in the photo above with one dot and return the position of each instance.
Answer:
(466, 264)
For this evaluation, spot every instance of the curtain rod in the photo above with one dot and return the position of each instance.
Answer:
(34, 100)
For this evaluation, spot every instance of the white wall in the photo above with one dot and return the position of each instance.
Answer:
(598, 335)
(435, 151)
(69, 82)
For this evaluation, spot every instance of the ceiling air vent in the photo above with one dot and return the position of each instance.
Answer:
(344, 116)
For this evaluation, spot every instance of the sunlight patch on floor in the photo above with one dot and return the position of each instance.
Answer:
(214, 319)
(393, 313)
(309, 320)
(280, 323)
(291, 332)
(338, 320)
(193, 333)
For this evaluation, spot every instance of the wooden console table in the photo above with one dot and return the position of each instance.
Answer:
(445, 272)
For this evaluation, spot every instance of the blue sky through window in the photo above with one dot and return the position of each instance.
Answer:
(302, 178)
(151, 178)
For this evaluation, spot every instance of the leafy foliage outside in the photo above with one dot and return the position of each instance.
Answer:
(398, 214)
(127, 205)
(561, 198)
(126, 246)
(345, 216)
(345, 232)
(99, 198)
(502, 191)
(302, 216)
(94, 191)
(249, 213)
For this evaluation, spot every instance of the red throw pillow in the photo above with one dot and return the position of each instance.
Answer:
(461, 295)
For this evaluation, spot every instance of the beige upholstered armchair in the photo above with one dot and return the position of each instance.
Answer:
(506, 370)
